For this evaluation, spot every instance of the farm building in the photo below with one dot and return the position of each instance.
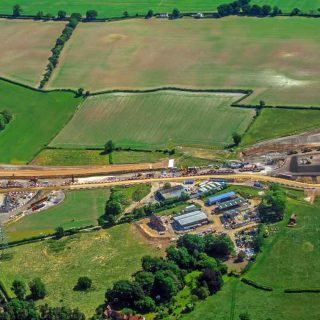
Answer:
(230, 214)
(230, 204)
(222, 197)
(190, 220)
(174, 192)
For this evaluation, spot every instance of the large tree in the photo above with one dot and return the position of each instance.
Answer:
(16, 10)
(19, 288)
(37, 288)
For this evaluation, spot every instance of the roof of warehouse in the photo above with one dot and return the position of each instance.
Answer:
(231, 203)
(231, 212)
(222, 196)
(191, 217)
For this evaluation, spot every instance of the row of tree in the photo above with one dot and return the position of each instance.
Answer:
(17, 11)
(244, 7)
(64, 37)
(17, 309)
(162, 278)
(5, 118)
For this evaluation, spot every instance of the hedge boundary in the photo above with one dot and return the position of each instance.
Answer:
(256, 285)
(306, 290)
(207, 15)
(246, 93)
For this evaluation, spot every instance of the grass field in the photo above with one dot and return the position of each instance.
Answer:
(289, 260)
(273, 123)
(277, 57)
(37, 118)
(108, 8)
(67, 157)
(79, 209)
(25, 48)
(160, 119)
(105, 256)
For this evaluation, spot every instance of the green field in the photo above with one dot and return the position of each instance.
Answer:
(67, 157)
(108, 8)
(274, 123)
(276, 57)
(289, 260)
(105, 256)
(161, 119)
(37, 118)
(25, 48)
(79, 209)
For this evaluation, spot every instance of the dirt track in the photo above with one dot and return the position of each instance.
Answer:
(53, 172)
(241, 177)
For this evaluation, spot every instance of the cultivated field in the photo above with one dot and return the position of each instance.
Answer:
(289, 260)
(274, 123)
(37, 118)
(161, 119)
(277, 57)
(109, 8)
(79, 209)
(25, 48)
(105, 256)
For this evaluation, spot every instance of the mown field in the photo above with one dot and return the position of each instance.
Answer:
(105, 256)
(37, 118)
(67, 157)
(108, 8)
(79, 209)
(161, 119)
(274, 123)
(289, 260)
(277, 57)
(25, 48)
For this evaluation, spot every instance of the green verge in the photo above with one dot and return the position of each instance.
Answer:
(105, 256)
(289, 259)
(109, 8)
(37, 118)
(79, 209)
(68, 157)
(274, 123)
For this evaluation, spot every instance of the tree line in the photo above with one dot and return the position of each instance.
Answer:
(245, 8)
(64, 37)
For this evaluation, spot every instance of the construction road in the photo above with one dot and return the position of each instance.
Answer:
(240, 177)
(23, 172)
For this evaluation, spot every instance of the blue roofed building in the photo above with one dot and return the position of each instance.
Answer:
(221, 197)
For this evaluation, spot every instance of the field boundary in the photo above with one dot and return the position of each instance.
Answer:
(211, 14)
(246, 93)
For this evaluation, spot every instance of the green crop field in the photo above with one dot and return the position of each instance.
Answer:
(274, 123)
(289, 260)
(105, 256)
(109, 8)
(67, 157)
(37, 118)
(277, 57)
(25, 48)
(79, 209)
(157, 119)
